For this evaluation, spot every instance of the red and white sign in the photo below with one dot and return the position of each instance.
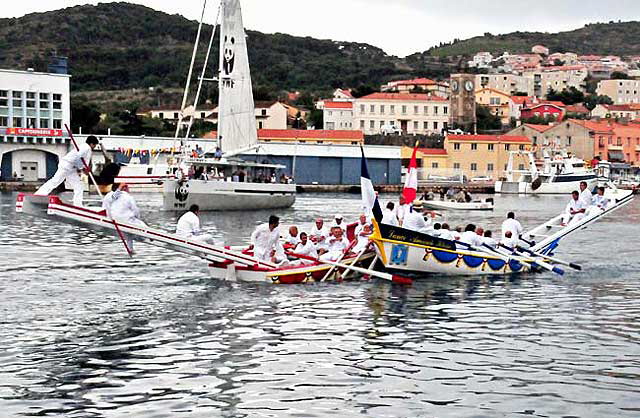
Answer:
(34, 132)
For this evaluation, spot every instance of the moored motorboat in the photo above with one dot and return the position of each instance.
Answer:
(455, 205)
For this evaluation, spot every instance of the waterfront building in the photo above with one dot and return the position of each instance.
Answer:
(499, 103)
(34, 107)
(413, 113)
(620, 91)
(338, 115)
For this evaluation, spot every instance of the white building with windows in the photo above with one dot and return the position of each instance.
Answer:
(34, 108)
(620, 91)
(338, 115)
(412, 113)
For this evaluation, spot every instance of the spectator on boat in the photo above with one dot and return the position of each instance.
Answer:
(337, 245)
(467, 196)
(599, 202)
(389, 215)
(461, 197)
(121, 207)
(69, 169)
(362, 222)
(265, 239)
(585, 194)
(319, 236)
(188, 226)
(575, 209)
(509, 241)
(427, 195)
(218, 154)
(511, 224)
(451, 192)
(441, 192)
(470, 237)
(293, 238)
(362, 238)
(306, 247)
(488, 240)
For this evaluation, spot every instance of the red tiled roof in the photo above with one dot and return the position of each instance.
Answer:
(346, 93)
(564, 68)
(558, 106)
(552, 102)
(576, 108)
(539, 128)
(596, 126)
(309, 134)
(404, 96)
(338, 105)
(433, 151)
(489, 138)
(522, 99)
(618, 108)
(425, 81)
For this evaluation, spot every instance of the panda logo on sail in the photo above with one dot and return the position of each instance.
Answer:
(228, 60)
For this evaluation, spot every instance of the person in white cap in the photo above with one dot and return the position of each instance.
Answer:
(68, 170)
(339, 223)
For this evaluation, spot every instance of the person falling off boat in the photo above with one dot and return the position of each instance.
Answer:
(265, 240)
(69, 169)
(121, 207)
(188, 226)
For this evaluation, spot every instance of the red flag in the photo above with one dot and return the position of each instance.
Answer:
(411, 182)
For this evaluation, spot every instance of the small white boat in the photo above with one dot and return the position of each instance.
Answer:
(560, 174)
(455, 205)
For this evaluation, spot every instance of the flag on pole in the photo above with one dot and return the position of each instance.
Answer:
(410, 190)
(369, 198)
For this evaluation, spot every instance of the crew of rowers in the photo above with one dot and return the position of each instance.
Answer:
(584, 203)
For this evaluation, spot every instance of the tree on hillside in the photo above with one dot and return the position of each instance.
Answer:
(592, 100)
(84, 115)
(363, 90)
(486, 121)
(617, 75)
(315, 118)
(567, 96)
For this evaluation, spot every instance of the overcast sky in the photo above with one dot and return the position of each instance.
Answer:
(400, 27)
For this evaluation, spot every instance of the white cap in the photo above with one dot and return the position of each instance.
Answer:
(338, 216)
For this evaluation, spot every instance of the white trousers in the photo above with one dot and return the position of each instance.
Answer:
(569, 219)
(68, 173)
(130, 221)
(331, 256)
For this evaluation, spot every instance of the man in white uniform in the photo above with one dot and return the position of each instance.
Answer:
(471, 237)
(509, 241)
(292, 239)
(121, 207)
(402, 210)
(414, 219)
(306, 247)
(585, 194)
(599, 202)
(265, 239)
(362, 221)
(362, 239)
(337, 245)
(68, 170)
(575, 209)
(511, 224)
(445, 232)
(488, 240)
(319, 235)
(340, 224)
(189, 226)
(389, 215)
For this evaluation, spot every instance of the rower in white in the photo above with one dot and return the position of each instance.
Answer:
(189, 226)
(306, 247)
(470, 237)
(599, 202)
(339, 223)
(292, 239)
(585, 194)
(319, 236)
(362, 238)
(69, 170)
(509, 240)
(414, 219)
(389, 215)
(121, 207)
(512, 225)
(575, 209)
(337, 245)
(488, 240)
(265, 239)
(362, 221)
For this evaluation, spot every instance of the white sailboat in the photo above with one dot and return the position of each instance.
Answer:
(223, 182)
(560, 174)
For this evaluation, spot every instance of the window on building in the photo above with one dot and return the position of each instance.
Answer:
(17, 122)
(619, 143)
(456, 146)
(415, 110)
(4, 102)
(490, 167)
(31, 104)
(57, 124)
(57, 97)
(474, 147)
(57, 105)
(521, 147)
(31, 123)
(44, 123)
(382, 109)
(261, 125)
(426, 110)
(521, 167)
(4, 121)
(175, 115)
(435, 110)
(415, 126)
(44, 105)
(263, 112)
(507, 146)
(434, 165)
(4, 93)
(17, 95)
(381, 123)
(161, 115)
(445, 110)
(31, 95)
(372, 124)
(474, 167)
(16, 103)
(445, 125)
(330, 125)
(329, 113)
(535, 140)
(202, 114)
(361, 124)
(392, 109)
(404, 109)
(361, 108)
(425, 126)
(490, 147)
(435, 126)
(44, 96)
(456, 166)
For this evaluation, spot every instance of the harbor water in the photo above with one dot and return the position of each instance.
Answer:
(87, 332)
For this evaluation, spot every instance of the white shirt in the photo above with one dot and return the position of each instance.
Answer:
(402, 211)
(512, 225)
(307, 249)
(74, 158)
(121, 206)
(320, 235)
(586, 197)
(188, 224)
(359, 228)
(342, 226)
(600, 201)
(446, 234)
(292, 240)
(389, 217)
(574, 205)
(509, 242)
(490, 242)
(414, 221)
(471, 238)
(264, 241)
(338, 244)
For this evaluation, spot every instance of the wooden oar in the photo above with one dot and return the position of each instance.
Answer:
(386, 276)
(346, 251)
(538, 262)
(355, 261)
(95, 183)
(555, 260)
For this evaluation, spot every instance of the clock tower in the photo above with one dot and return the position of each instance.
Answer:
(463, 102)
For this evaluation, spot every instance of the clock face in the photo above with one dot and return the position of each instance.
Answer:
(468, 85)
(454, 85)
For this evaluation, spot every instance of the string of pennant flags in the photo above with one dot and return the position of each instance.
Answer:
(130, 152)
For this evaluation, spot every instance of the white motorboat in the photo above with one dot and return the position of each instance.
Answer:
(561, 173)
(455, 205)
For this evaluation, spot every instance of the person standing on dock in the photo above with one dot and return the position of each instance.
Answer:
(69, 170)
(265, 239)
(189, 226)
(512, 225)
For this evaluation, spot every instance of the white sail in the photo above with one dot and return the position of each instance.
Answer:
(236, 114)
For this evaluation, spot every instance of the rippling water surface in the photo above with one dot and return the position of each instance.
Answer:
(85, 331)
